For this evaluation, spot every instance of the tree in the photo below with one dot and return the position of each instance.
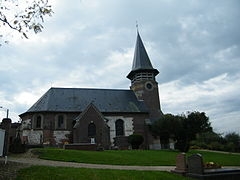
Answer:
(170, 126)
(182, 128)
(23, 16)
(208, 140)
(196, 123)
(233, 142)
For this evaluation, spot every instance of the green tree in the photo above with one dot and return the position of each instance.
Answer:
(196, 123)
(208, 140)
(233, 142)
(170, 126)
(162, 128)
(23, 16)
(182, 128)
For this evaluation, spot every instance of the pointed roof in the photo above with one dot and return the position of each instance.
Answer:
(86, 111)
(141, 61)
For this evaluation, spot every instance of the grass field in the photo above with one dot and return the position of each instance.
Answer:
(57, 173)
(133, 157)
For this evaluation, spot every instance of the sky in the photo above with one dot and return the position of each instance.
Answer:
(194, 44)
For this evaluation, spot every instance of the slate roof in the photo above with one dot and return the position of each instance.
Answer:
(141, 60)
(77, 99)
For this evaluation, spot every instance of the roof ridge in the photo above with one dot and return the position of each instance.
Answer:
(90, 89)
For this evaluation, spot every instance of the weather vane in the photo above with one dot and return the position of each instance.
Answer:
(137, 26)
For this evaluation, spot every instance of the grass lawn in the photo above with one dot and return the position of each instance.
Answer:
(133, 157)
(124, 157)
(228, 159)
(43, 172)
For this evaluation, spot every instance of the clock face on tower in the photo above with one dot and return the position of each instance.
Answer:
(149, 85)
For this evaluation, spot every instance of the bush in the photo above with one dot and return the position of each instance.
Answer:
(17, 146)
(215, 146)
(200, 144)
(182, 145)
(135, 140)
(230, 147)
(194, 147)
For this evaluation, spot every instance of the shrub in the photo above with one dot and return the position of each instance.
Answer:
(194, 147)
(182, 145)
(17, 146)
(229, 147)
(215, 146)
(135, 140)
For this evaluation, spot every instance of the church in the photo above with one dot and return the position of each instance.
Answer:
(105, 117)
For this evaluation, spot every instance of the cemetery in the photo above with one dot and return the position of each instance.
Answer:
(187, 165)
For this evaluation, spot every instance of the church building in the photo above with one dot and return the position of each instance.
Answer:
(105, 117)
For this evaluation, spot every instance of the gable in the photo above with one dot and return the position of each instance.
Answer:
(91, 113)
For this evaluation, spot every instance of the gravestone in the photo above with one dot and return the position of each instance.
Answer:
(196, 170)
(195, 164)
(181, 164)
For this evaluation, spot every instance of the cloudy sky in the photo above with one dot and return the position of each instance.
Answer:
(90, 43)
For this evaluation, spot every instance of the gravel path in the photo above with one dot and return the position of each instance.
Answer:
(36, 161)
(30, 159)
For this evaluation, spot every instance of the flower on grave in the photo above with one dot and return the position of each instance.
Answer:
(211, 165)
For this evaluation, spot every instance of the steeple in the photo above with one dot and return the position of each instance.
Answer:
(143, 81)
(141, 61)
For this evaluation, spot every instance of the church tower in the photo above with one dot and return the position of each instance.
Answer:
(143, 81)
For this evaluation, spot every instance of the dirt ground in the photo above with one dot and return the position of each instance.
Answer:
(9, 171)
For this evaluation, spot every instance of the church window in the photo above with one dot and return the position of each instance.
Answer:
(39, 122)
(119, 125)
(60, 122)
(91, 130)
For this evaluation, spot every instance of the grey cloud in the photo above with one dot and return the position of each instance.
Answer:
(189, 42)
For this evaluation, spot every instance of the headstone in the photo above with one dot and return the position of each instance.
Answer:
(195, 164)
(181, 164)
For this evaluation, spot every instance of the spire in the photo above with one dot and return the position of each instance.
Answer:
(141, 61)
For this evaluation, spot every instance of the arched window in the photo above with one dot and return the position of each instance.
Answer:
(60, 122)
(91, 130)
(38, 121)
(119, 125)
